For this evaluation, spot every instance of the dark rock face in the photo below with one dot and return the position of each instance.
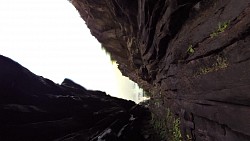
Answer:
(33, 108)
(193, 55)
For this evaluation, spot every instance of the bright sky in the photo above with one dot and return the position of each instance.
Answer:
(50, 39)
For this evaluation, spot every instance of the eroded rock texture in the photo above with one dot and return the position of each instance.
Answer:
(193, 55)
(33, 108)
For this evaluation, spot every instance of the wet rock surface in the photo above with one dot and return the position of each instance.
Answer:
(33, 108)
(192, 55)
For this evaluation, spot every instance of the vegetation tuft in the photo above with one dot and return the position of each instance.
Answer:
(220, 64)
(190, 49)
(168, 128)
(221, 28)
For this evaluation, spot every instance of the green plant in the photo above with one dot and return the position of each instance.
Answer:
(190, 49)
(168, 127)
(176, 130)
(159, 126)
(219, 64)
(221, 28)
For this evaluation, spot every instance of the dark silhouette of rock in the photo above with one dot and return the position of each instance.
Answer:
(33, 108)
(193, 55)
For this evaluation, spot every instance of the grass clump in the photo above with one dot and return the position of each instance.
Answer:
(221, 28)
(176, 130)
(168, 128)
(221, 63)
(190, 49)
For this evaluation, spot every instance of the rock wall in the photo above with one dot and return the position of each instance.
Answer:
(33, 108)
(193, 55)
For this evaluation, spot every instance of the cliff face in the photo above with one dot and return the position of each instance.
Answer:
(194, 57)
(33, 108)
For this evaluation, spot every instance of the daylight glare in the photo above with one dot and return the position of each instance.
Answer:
(51, 40)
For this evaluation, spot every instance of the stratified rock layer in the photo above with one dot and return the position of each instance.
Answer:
(193, 55)
(33, 108)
